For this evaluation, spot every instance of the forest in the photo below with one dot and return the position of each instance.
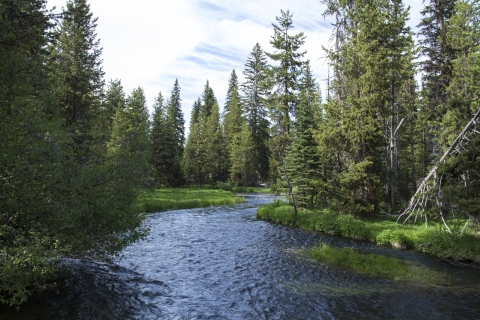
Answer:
(77, 150)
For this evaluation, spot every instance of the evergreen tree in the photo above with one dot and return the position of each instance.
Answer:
(194, 156)
(76, 69)
(232, 87)
(31, 153)
(130, 138)
(52, 204)
(176, 121)
(286, 74)
(374, 63)
(459, 176)
(241, 155)
(208, 98)
(114, 100)
(163, 143)
(302, 159)
(233, 113)
(463, 36)
(216, 160)
(205, 158)
(285, 80)
(195, 112)
(254, 98)
(437, 72)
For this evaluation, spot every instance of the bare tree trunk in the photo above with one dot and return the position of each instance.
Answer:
(416, 200)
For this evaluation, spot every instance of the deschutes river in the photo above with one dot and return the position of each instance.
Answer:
(222, 263)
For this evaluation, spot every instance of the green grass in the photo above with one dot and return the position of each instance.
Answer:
(376, 265)
(184, 198)
(383, 231)
(252, 190)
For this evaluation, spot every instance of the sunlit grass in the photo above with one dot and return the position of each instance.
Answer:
(376, 265)
(383, 231)
(184, 198)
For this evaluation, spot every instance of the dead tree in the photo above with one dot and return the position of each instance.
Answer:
(417, 204)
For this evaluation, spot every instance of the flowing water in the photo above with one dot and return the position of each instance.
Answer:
(222, 263)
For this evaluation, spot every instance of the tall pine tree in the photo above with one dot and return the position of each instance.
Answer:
(302, 159)
(285, 80)
(254, 99)
(76, 69)
(175, 119)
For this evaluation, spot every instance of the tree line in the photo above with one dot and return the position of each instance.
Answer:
(393, 107)
(76, 151)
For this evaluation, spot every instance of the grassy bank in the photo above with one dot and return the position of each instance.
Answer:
(252, 190)
(184, 198)
(376, 265)
(383, 231)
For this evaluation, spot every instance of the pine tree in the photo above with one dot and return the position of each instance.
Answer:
(233, 113)
(130, 137)
(176, 121)
(215, 149)
(374, 63)
(437, 72)
(76, 69)
(254, 98)
(463, 36)
(32, 152)
(114, 100)
(163, 143)
(285, 81)
(286, 74)
(459, 177)
(208, 98)
(241, 154)
(205, 159)
(194, 156)
(302, 159)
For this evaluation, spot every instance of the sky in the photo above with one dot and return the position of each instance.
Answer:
(150, 43)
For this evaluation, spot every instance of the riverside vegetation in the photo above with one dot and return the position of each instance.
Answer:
(383, 230)
(376, 265)
(184, 198)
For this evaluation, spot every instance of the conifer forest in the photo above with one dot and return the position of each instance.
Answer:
(394, 134)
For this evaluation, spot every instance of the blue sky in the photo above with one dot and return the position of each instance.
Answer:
(150, 43)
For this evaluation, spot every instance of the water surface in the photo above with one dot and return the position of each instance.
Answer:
(222, 263)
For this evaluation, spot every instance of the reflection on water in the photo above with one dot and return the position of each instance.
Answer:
(222, 263)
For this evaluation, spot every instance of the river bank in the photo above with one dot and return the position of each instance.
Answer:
(184, 198)
(434, 241)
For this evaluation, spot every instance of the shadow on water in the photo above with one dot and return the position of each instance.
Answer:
(222, 263)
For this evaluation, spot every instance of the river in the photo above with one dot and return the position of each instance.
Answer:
(222, 263)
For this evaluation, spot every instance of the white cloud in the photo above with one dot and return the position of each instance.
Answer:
(150, 43)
